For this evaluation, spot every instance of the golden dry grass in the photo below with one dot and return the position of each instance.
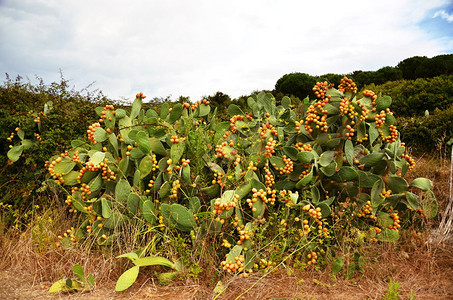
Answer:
(29, 266)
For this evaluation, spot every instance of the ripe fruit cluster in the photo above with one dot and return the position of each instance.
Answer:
(91, 130)
(263, 130)
(347, 85)
(320, 89)
(220, 207)
(288, 168)
(234, 266)
(270, 147)
(396, 222)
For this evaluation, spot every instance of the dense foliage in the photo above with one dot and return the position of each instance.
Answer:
(271, 183)
(42, 119)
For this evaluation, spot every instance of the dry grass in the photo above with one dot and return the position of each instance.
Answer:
(29, 266)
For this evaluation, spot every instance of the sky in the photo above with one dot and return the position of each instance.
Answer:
(196, 48)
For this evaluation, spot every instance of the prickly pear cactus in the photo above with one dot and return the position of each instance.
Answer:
(273, 174)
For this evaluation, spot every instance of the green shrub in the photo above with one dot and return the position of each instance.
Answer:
(428, 133)
(39, 120)
(414, 97)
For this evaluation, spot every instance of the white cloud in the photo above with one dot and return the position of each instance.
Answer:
(198, 47)
(444, 15)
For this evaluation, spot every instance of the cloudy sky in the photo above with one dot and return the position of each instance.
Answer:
(198, 47)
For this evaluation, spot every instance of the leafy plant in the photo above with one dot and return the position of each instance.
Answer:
(259, 185)
(81, 284)
(392, 291)
(129, 276)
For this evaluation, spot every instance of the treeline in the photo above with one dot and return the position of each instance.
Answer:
(300, 84)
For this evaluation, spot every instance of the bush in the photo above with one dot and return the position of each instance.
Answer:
(414, 97)
(429, 133)
(39, 120)
(248, 193)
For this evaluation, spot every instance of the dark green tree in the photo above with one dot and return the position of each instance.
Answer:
(409, 66)
(331, 78)
(387, 74)
(297, 84)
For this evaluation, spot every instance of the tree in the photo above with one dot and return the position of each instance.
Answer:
(409, 66)
(363, 78)
(331, 78)
(297, 84)
(387, 74)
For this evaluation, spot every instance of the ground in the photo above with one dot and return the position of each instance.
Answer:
(424, 271)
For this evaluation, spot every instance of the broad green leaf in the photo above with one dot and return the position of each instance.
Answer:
(120, 113)
(349, 152)
(286, 102)
(78, 272)
(234, 252)
(422, 183)
(305, 157)
(292, 152)
(330, 169)
(337, 265)
(77, 143)
(143, 142)
(131, 255)
(164, 190)
(95, 184)
(388, 235)
(133, 201)
(145, 166)
(115, 220)
(347, 173)
(157, 147)
(203, 110)
(97, 158)
(373, 133)
(277, 162)
(27, 144)
(372, 159)
(122, 190)
(15, 153)
(114, 142)
(136, 107)
(153, 261)
(183, 218)
(376, 190)
(383, 103)
(149, 213)
(234, 110)
(326, 158)
(177, 150)
(397, 184)
(127, 279)
(164, 110)
(185, 174)
(175, 113)
(325, 209)
(100, 134)
(106, 209)
(306, 180)
(64, 166)
(71, 178)
(413, 200)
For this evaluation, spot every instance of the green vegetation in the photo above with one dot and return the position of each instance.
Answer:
(223, 185)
